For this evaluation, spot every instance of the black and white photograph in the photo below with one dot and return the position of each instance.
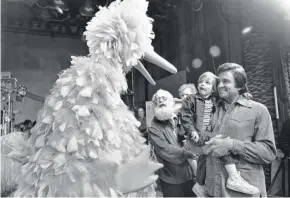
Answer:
(145, 98)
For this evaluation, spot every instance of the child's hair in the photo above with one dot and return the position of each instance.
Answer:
(215, 80)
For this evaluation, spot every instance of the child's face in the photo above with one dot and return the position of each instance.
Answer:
(205, 86)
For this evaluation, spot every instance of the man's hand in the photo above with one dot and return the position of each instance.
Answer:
(190, 147)
(137, 174)
(219, 146)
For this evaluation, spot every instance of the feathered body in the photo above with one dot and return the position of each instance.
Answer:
(12, 159)
(84, 128)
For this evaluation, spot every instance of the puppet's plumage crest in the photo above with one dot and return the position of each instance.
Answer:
(123, 33)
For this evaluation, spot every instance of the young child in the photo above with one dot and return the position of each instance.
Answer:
(196, 114)
(184, 91)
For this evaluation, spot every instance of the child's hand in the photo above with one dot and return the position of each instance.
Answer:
(194, 136)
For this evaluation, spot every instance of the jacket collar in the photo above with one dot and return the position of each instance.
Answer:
(201, 98)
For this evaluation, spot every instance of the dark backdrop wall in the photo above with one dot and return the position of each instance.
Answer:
(35, 61)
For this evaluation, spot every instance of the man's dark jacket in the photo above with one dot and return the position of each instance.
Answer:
(163, 136)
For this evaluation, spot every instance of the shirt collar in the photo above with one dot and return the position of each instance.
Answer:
(241, 100)
(244, 102)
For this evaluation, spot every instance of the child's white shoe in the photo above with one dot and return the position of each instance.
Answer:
(241, 185)
(199, 190)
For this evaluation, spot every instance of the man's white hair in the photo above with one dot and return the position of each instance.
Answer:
(191, 86)
(164, 93)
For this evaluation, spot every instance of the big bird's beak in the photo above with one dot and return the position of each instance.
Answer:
(157, 60)
(140, 67)
(154, 58)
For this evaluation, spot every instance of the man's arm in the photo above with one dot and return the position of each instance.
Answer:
(166, 151)
(262, 149)
(186, 114)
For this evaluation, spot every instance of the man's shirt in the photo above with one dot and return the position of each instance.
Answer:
(250, 125)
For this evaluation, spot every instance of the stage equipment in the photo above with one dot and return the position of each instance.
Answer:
(11, 91)
(8, 86)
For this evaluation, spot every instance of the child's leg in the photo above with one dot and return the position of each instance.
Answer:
(231, 170)
(235, 181)
(229, 163)
(198, 188)
(201, 170)
(193, 164)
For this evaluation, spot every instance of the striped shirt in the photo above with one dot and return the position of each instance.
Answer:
(208, 105)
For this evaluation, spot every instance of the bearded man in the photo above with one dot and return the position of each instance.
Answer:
(176, 177)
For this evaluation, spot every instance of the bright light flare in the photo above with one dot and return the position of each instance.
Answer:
(196, 63)
(215, 51)
(285, 6)
(59, 10)
(247, 30)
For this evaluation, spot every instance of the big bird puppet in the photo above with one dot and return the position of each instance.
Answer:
(86, 142)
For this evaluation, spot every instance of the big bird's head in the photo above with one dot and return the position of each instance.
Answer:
(122, 33)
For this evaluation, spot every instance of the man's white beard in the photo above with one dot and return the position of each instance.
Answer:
(163, 113)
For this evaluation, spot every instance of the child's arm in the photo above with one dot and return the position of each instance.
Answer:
(201, 138)
(186, 115)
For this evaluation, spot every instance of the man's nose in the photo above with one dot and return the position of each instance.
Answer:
(220, 84)
(161, 99)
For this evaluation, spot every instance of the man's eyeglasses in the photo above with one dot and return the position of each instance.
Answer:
(160, 99)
